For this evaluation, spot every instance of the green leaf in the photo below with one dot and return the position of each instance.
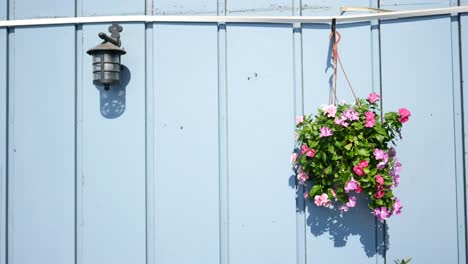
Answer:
(363, 152)
(314, 190)
(328, 170)
(348, 146)
(380, 130)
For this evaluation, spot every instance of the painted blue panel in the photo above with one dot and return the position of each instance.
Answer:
(42, 153)
(331, 238)
(464, 77)
(112, 7)
(262, 215)
(113, 156)
(3, 141)
(175, 7)
(20, 9)
(259, 7)
(420, 78)
(3, 9)
(186, 144)
(413, 4)
(327, 7)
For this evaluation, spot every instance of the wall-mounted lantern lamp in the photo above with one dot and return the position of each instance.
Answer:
(106, 58)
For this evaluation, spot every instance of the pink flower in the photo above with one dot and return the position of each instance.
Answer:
(306, 195)
(299, 119)
(378, 154)
(381, 213)
(350, 114)
(341, 122)
(351, 202)
(322, 200)
(380, 193)
(302, 177)
(294, 157)
(358, 189)
(397, 206)
(308, 152)
(363, 163)
(373, 97)
(404, 115)
(329, 110)
(370, 119)
(358, 170)
(343, 208)
(396, 180)
(333, 193)
(351, 185)
(325, 132)
(379, 179)
(381, 165)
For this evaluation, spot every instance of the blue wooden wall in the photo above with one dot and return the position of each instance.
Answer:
(188, 160)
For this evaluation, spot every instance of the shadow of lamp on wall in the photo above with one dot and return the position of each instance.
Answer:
(108, 71)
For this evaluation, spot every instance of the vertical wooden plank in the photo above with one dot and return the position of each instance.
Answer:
(22, 9)
(113, 153)
(261, 110)
(175, 7)
(113, 7)
(41, 151)
(420, 78)
(3, 142)
(331, 238)
(186, 143)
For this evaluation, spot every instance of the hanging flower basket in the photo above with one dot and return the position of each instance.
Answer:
(346, 149)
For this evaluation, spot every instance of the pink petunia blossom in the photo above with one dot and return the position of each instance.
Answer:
(294, 157)
(379, 194)
(322, 200)
(333, 193)
(325, 132)
(397, 206)
(370, 119)
(379, 179)
(302, 177)
(381, 213)
(373, 97)
(358, 189)
(358, 170)
(351, 185)
(363, 163)
(341, 122)
(308, 152)
(396, 180)
(299, 119)
(343, 208)
(378, 154)
(381, 165)
(351, 202)
(329, 110)
(350, 114)
(404, 115)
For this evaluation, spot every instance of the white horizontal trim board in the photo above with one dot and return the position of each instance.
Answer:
(237, 19)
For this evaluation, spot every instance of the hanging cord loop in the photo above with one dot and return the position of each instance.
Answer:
(335, 37)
